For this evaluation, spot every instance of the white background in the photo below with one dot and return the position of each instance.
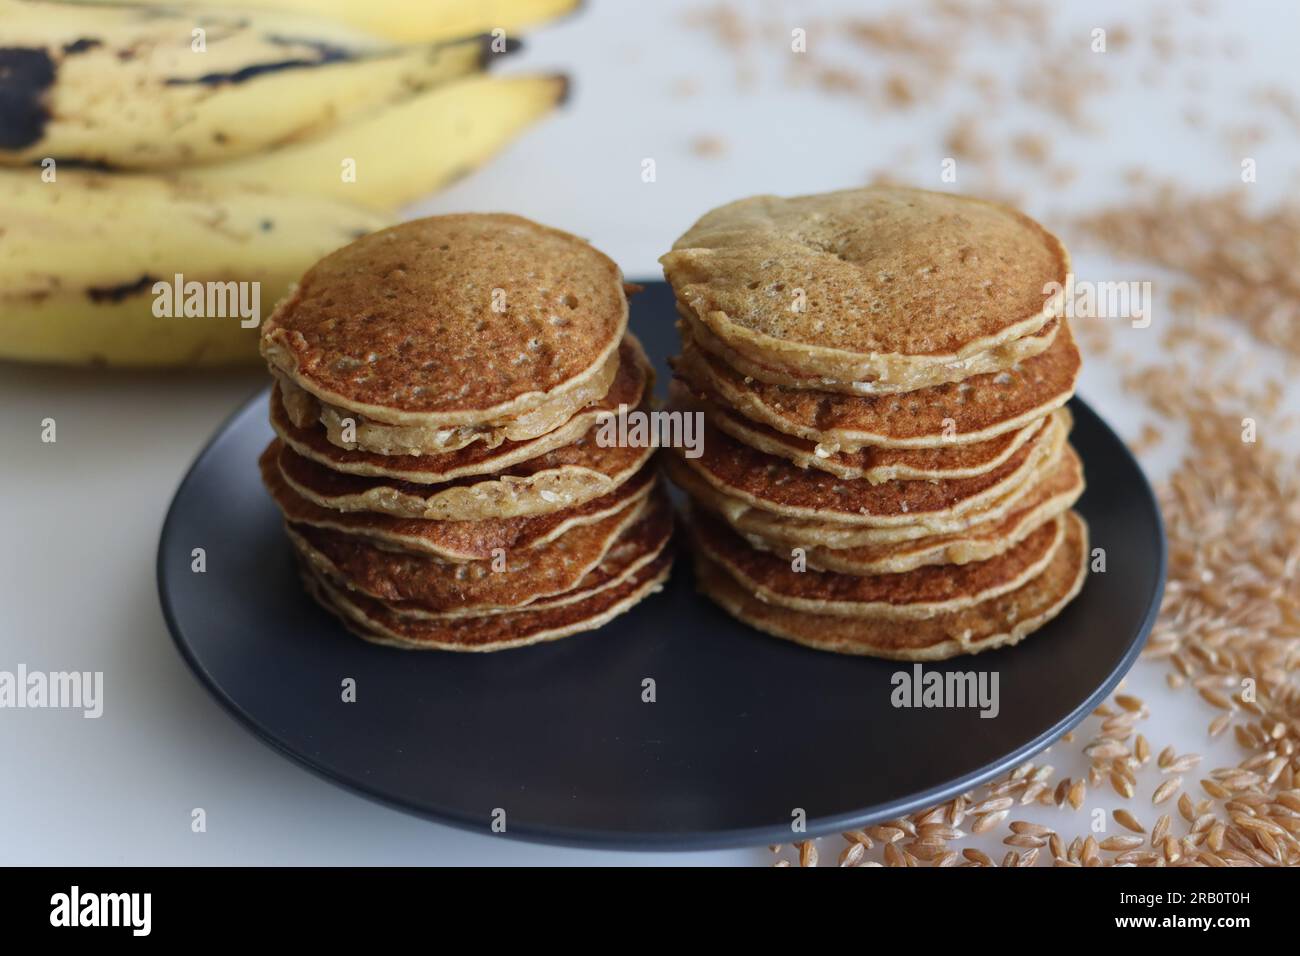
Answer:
(82, 516)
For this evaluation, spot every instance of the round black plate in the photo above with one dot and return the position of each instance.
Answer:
(745, 730)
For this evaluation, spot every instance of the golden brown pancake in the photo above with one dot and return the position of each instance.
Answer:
(975, 410)
(775, 485)
(448, 540)
(872, 463)
(521, 577)
(560, 479)
(994, 360)
(996, 622)
(920, 593)
(786, 532)
(627, 557)
(450, 320)
(373, 621)
(867, 284)
(628, 388)
(347, 429)
(1051, 493)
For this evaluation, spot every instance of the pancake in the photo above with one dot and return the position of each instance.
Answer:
(872, 463)
(996, 622)
(975, 410)
(917, 594)
(479, 586)
(373, 621)
(994, 360)
(775, 485)
(875, 464)
(1053, 494)
(893, 280)
(811, 532)
(628, 388)
(450, 321)
(629, 554)
(382, 439)
(560, 479)
(448, 540)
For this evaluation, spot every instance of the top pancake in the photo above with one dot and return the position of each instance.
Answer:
(450, 320)
(867, 284)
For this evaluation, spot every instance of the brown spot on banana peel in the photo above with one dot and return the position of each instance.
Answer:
(82, 45)
(247, 73)
(117, 293)
(26, 73)
(486, 54)
(566, 89)
(73, 162)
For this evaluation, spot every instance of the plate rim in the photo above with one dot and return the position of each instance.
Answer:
(663, 841)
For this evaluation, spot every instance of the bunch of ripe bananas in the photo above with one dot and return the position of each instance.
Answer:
(231, 143)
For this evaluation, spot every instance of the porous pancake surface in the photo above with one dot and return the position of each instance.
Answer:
(455, 318)
(875, 279)
(996, 622)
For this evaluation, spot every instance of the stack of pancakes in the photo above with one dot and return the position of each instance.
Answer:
(882, 373)
(441, 389)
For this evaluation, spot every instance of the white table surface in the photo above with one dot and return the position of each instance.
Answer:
(83, 515)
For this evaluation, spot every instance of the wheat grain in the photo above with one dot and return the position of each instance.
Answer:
(1166, 790)
(1128, 821)
(988, 821)
(1078, 791)
(992, 806)
(1121, 784)
(858, 836)
(1116, 843)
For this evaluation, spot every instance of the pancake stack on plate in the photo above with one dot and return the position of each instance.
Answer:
(439, 405)
(883, 374)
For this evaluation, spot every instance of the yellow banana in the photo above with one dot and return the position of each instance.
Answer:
(89, 265)
(405, 151)
(138, 88)
(413, 21)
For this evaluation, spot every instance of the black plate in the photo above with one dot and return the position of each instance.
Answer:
(745, 729)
